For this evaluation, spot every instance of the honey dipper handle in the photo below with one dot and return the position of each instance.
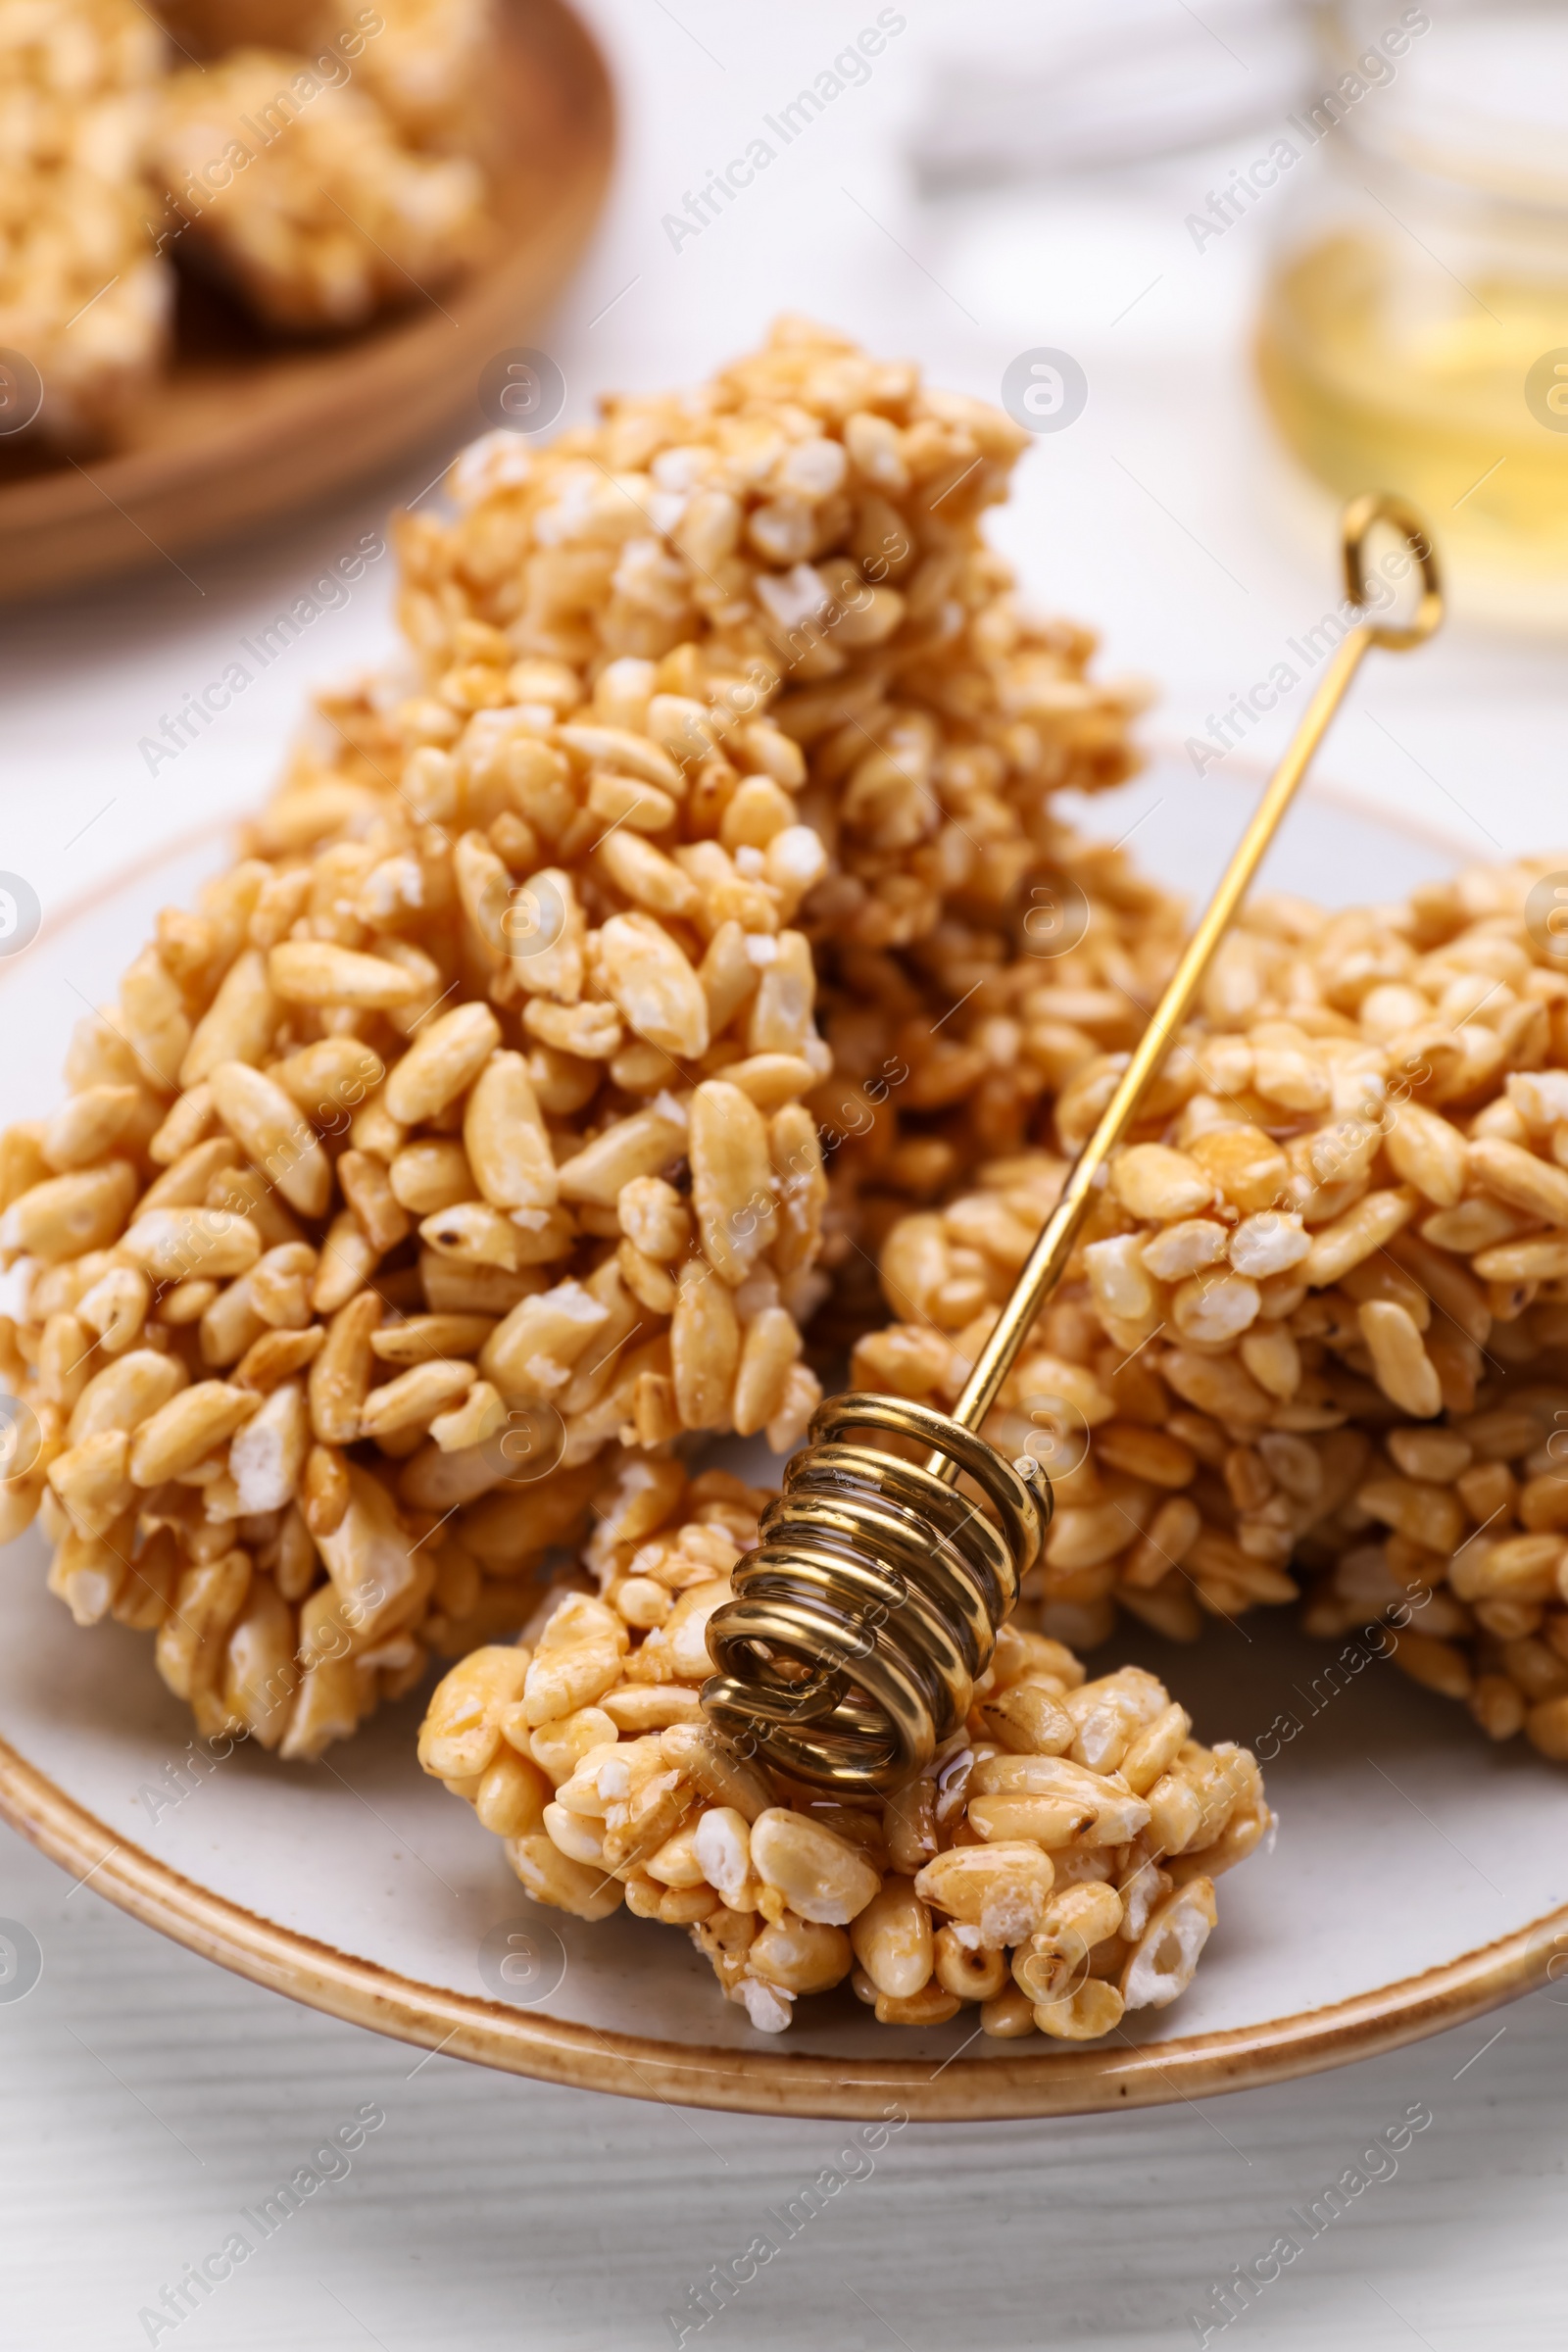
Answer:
(1044, 1267)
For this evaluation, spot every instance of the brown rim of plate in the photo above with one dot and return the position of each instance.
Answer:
(1049, 2080)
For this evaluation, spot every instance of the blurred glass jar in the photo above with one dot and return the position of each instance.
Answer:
(1414, 330)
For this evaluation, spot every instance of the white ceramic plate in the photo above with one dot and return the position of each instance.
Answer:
(1419, 1875)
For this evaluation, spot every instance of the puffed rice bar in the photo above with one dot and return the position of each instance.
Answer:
(804, 530)
(294, 185)
(921, 737)
(346, 1192)
(83, 295)
(1344, 1218)
(1056, 1868)
(425, 61)
(430, 66)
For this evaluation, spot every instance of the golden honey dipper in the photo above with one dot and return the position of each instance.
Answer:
(858, 1625)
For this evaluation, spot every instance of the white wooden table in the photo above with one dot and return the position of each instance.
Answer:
(147, 2098)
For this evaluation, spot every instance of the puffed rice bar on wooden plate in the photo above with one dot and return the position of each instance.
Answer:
(292, 183)
(82, 296)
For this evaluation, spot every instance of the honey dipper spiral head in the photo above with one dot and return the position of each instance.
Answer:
(863, 1620)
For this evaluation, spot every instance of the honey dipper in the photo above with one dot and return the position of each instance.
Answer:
(858, 1625)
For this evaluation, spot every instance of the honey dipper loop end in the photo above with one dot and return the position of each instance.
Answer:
(1355, 527)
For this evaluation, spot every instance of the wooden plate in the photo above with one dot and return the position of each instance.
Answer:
(1419, 1878)
(246, 427)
